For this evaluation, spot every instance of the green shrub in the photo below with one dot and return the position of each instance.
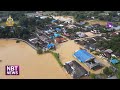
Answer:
(118, 74)
(17, 41)
(107, 71)
(39, 51)
(46, 51)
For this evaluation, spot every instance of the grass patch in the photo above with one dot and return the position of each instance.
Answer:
(92, 76)
(107, 71)
(56, 55)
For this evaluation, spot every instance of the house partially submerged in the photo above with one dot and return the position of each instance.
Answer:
(51, 46)
(75, 69)
(88, 59)
(60, 40)
(83, 55)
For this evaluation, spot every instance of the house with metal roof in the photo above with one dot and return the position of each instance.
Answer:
(116, 28)
(56, 35)
(75, 69)
(114, 61)
(88, 59)
(83, 55)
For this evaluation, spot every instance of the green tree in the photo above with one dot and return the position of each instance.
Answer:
(39, 51)
(107, 71)
(23, 21)
(17, 41)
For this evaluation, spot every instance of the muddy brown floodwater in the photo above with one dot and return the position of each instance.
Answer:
(32, 65)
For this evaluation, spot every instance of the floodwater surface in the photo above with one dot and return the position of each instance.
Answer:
(32, 65)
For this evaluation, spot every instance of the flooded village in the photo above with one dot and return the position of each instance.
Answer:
(75, 44)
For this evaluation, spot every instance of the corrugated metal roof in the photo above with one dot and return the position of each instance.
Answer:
(83, 55)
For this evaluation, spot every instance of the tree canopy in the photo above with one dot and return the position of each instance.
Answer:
(107, 71)
(113, 43)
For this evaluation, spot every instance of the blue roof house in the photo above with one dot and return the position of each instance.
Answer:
(51, 45)
(51, 37)
(114, 61)
(83, 55)
(56, 35)
(58, 29)
(53, 21)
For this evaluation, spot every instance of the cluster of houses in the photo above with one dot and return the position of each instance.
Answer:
(83, 27)
(90, 44)
(54, 32)
(96, 28)
(61, 26)
(49, 37)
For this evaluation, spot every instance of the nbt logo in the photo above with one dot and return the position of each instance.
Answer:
(12, 70)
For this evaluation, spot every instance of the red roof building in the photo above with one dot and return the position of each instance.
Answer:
(60, 40)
